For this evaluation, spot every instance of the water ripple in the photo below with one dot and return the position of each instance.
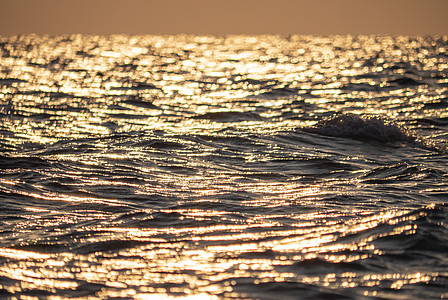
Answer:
(223, 167)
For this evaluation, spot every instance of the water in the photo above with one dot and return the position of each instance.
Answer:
(192, 167)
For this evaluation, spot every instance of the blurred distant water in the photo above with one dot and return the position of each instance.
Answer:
(193, 167)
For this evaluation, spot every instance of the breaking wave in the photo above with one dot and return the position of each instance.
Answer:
(368, 127)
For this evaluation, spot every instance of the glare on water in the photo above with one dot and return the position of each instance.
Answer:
(199, 167)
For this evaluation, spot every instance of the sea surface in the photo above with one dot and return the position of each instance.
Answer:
(223, 167)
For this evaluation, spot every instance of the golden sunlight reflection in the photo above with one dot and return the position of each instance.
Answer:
(213, 69)
(216, 263)
(184, 167)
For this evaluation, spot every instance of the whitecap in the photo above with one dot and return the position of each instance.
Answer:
(368, 127)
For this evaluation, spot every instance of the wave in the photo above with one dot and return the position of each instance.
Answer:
(366, 127)
(404, 81)
(230, 116)
(400, 172)
(22, 163)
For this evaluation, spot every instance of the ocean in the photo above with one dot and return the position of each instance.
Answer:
(223, 167)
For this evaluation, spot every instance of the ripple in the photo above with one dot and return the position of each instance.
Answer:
(223, 167)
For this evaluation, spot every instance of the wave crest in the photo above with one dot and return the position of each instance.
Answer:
(365, 127)
(362, 127)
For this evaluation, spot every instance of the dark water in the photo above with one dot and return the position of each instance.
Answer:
(232, 167)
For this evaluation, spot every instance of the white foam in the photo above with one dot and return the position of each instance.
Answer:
(371, 128)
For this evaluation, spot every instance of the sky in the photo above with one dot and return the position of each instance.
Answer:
(317, 17)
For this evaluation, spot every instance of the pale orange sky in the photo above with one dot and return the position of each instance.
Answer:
(407, 17)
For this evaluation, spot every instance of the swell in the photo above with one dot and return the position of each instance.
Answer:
(410, 241)
(367, 127)
(363, 247)
(178, 164)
